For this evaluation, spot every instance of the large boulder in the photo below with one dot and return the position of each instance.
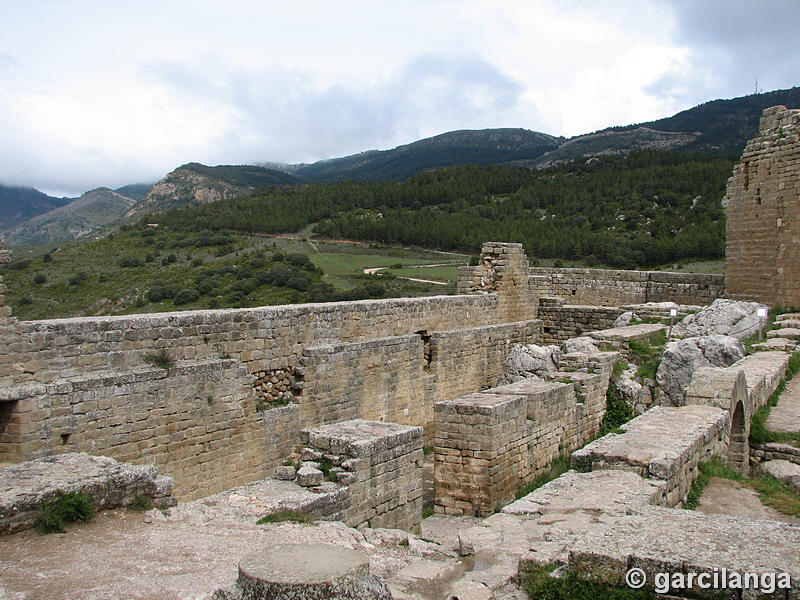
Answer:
(531, 360)
(624, 319)
(579, 344)
(682, 358)
(628, 388)
(722, 317)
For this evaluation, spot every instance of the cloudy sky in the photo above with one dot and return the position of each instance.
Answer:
(98, 93)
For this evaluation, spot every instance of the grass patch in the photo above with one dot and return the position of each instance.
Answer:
(159, 359)
(285, 516)
(619, 368)
(427, 450)
(64, 507)
(539, 585)
(557, 468)
(647, 354)
(427, 511)
(776, 494)
(759, 434)
(140, 503)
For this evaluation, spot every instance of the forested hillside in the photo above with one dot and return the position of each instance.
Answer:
(649, 208)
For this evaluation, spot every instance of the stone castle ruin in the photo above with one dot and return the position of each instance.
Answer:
(338, 400)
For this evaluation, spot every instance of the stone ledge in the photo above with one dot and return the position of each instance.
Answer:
(25, 486)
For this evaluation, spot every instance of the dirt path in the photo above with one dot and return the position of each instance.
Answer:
(374, 270)
(726, 497)
(786, 415)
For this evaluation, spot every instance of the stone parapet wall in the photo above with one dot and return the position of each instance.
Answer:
(665, 443)
(763, 200)
(263, 339)
(382, 466)
(607, 287)
(196, 422)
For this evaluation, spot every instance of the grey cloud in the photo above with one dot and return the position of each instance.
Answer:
(734, 41)
(284, 118)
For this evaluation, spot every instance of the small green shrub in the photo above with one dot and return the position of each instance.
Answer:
(140, 503)
(160, 359)
(618, 412)
(64, 507)
(619, 368)
(39, 278)
(283, 516)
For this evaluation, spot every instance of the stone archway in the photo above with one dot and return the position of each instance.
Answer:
(738, 445)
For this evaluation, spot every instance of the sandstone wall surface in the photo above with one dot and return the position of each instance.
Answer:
(763, 214)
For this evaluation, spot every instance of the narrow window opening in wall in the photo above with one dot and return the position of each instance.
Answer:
(573, 292)
(426, 346)
(5, 417)
(758, 196)
(65, 438)
(746, 175)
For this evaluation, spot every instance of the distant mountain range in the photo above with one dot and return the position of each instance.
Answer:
(721, 126)
(81, 217)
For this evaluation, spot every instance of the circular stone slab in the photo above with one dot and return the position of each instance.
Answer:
(308, 572)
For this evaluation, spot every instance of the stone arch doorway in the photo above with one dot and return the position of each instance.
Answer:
(738, 445)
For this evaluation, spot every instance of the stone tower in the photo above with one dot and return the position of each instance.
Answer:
(5, 311)
(763, 214)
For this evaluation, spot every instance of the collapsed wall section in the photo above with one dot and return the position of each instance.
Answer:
(383, 467)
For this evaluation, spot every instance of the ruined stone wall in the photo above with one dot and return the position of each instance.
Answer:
(503, 268)
(487, 445)
(381, 463)
(196, 422)
(263, 338)
(606, 287)
(763, 204)
(377, 380)
(562, 321)
(465, 360)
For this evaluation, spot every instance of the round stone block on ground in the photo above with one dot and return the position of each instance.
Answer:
(305, 572)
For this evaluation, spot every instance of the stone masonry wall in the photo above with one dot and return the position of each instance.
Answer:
(503, 268)
(382, 465)
(561, 321)
(377, 380)
(606, 287)
(487, 445)
(196, 422)
(263, 338)
(465, 360)
(763, 204)
(480, 453)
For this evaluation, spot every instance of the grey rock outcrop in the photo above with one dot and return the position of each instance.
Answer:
(722, 317)
(682, 358)
(579, 344)
(624, 319)
(628, 388)
(525, 361)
